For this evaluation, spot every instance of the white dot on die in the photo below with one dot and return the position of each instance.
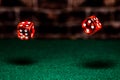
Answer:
(89, 21)
(21, 33)
(97, 21)
(84, 24)
(87, 31)
(20, 30)
(26, 34)
(29, 22)
(27, 25)
(26, 37)
(99, 26)
(23, 22)
(92, 27)
(21, 25)
(96, 18)
(25, 30)
(21, 37)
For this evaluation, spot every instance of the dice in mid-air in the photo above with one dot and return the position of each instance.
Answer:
(25, 30)
(91, 25)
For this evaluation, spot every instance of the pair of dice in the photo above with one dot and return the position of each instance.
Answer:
(26, 30)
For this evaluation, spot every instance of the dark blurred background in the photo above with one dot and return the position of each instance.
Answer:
(60, 19)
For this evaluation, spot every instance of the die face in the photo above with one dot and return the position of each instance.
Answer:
(32, 30)
(25, 24)
(25, 30)
(88, 26)
(23, 33)
(96, 22)
(91, 25)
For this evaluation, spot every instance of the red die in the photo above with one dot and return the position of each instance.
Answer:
(91, 25)
(25, 30)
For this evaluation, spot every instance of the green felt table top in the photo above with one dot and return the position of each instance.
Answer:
(59, 59)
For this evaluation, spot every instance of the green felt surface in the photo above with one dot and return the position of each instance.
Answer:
(59, 60)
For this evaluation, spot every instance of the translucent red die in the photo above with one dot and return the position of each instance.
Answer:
(25, 30)
(91, 25)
